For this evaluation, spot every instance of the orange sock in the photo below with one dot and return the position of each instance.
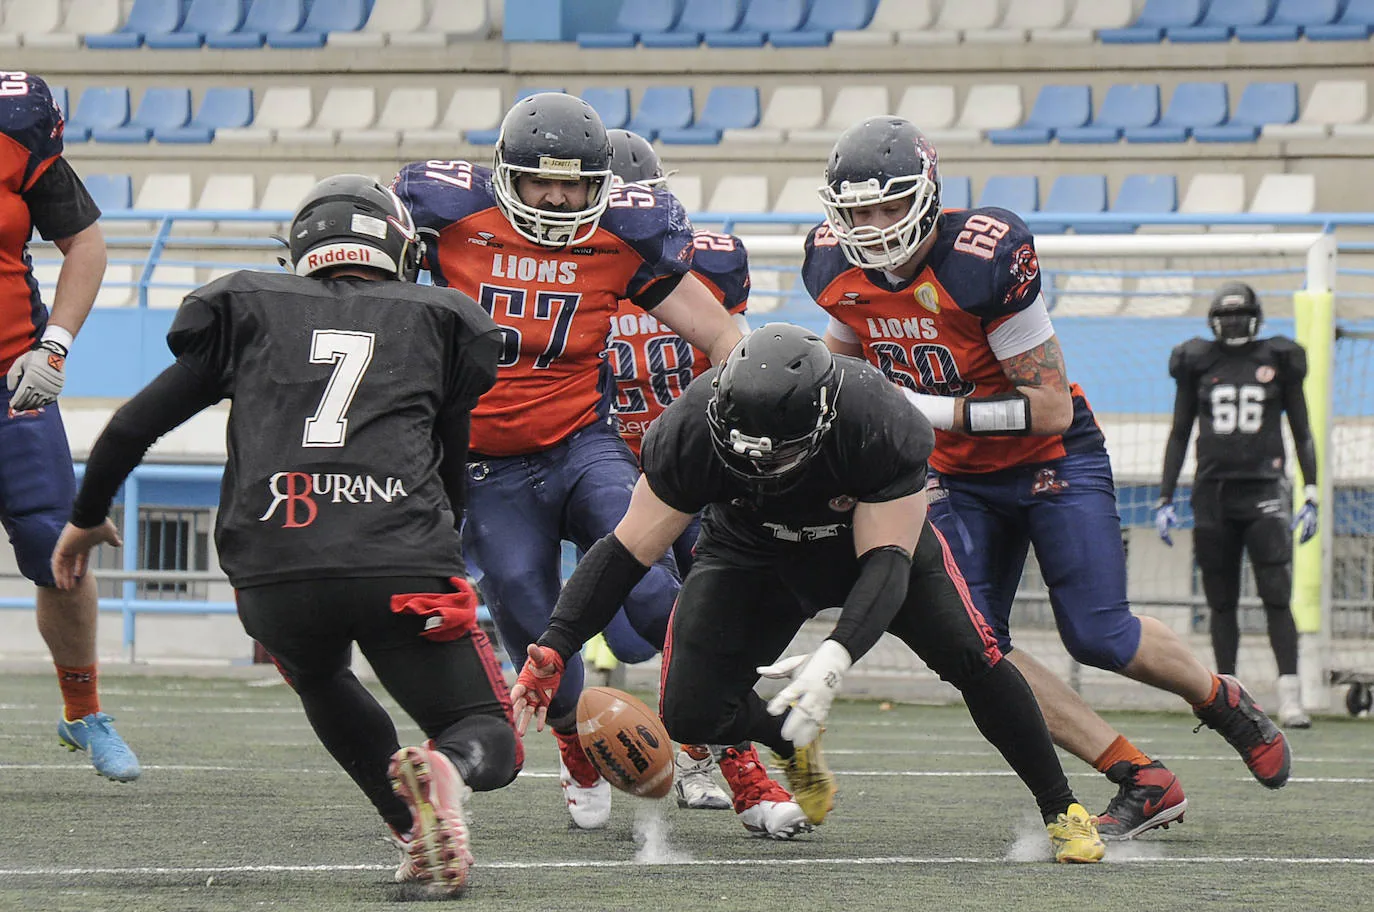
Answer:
(79, 695)
(1119, 750)
(1216, 683)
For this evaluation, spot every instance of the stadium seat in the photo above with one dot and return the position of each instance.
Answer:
(59, 97)
(1285, 194)
(698, 17)
(687, 189)
(284, 193)
(1077, 295)
(891, 18)
(852, 104)
(986, 107)
(324, 17)
(1123, 106)
(116, 288)
(159, 108)
(83, 17)
(1161, 296)
(231, 192)
(222, 107)
(726, 108)
(388, 18)
(930, 107)
(1022, 17)
(1139, 194)
(281, 108)
(1157, 17)
(635, 16)
(761, 19)
(1332, 106)
(469, 110)
(1355, 23)
(956, 18)
(790, 107)
(823, 21)
(612, 104)
(956, 192)
(488, 137)
(343, 108)
(416, 106)
(159, 190)
(98, 108)
(1222, 18)
(1193, 105)
(799, 195)
(147, 17)
(1087, 19)
(662, 108)
(448, 22)
(110, 191)
(31, 19)
(1018, 193)
(1291, 17)
(741, 193)
(1214, 194)
(1260, 103)
(173, 284)
(1074, 193)
(1056, 106)
(203, 17)
(263, 17)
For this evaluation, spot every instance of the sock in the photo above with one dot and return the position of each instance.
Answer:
(79, 695)
(1212, 695)
(1119, 750)
(696, 751)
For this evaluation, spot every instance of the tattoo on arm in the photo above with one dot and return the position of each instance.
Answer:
(1042, 366)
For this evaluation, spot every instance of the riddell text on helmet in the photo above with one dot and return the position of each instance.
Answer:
(339, 255)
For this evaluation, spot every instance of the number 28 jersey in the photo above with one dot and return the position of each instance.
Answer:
(653, 365)
(976, 300)
(1240, 396)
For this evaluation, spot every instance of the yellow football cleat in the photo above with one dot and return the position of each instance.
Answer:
(1074, 837)
(812, 783)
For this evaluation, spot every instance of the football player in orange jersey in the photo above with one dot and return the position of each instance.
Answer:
(37, 482)
(948, 305)
(547, 244)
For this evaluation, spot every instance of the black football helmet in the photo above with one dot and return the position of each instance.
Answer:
(556, 137)
(633, 159)
(351, 220)
(877, 161)
(1235, 314)
(774, 400)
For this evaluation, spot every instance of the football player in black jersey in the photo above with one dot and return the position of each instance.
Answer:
(351, 389)
(1237, 386)
(811, 469)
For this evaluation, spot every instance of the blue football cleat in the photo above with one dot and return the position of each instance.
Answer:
(110, 756)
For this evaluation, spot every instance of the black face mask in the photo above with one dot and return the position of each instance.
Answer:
(1234, 328)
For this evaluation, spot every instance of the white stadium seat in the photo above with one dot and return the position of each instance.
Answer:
(180, 280)
(1091, 295)
(930, 107)
(233, 192)
(890, 19)
(281, 108)
(83, 17)
(1021, 17)
(986, 107)
(687, 189)
(1087, 18)
(283, 192)
(116, 289)
(351, 108)
(388, 18)
(31, 22)
(450, 20)
(852, 104)
(468, 109)
(1334, 107)
(956, 18)
(413, 106)
(790, 107)
(1161, 296)
(739, 193)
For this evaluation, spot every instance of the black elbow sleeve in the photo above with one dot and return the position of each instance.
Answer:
(874, 600)
(591, 597)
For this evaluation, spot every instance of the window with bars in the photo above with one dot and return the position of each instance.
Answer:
(168, 540)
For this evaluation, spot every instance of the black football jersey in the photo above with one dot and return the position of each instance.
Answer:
(336, 387)
(875, 451)
(1240, 395)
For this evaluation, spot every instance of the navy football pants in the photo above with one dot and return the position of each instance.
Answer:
(37, 485)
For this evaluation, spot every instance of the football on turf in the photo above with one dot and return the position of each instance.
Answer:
(625, 741)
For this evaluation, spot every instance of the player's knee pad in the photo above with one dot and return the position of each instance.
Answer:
(1274, 583)
(485, 750)
(1102, 639)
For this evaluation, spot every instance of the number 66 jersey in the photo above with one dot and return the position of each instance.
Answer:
(976, 301)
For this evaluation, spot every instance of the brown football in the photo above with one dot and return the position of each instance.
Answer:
(625, 741)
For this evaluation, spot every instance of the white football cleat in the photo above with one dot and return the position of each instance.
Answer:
(1291, 713)
(695, 786)
(588, 805)
(765, 808)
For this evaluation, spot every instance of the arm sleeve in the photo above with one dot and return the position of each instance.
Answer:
(171, 399)
(1185, 413)
(452, 431)
(59, 204)
(1295, 405)
(874, 600)
(592, 595)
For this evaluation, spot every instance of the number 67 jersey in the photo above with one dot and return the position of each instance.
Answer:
(976, 301)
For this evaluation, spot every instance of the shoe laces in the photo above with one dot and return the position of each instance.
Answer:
(748, 780)
(1074, 827)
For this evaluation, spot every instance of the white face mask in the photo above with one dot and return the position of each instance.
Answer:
(868, 246)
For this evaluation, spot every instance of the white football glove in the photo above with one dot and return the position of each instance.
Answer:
(36, 377)
(816, 678)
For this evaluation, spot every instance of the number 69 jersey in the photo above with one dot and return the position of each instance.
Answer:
(1240, 396)
(653, 365)
(975, 301)
(337, 387)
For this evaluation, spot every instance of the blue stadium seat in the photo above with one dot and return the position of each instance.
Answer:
(1291, 16)
(1260, 103)
(97, 108)
(726, 108)
(59, 97)
(1223, 17)
(276, 16)
(1193, 105)
(762, 19)
(159, 107)
(613, 104)
(635, 16)
(662, 108)
(489, 137)
(698, 17)
(1056, 106)
(1157, 16)
(110, 191)
(325, 16)
(1018, 192)
(203, 17)
(1139, 194)
(148, 17)
(1076, 193)
(221, 107)
(1356, 22)
(956, 192)
(1123, 106)
(826, 18)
